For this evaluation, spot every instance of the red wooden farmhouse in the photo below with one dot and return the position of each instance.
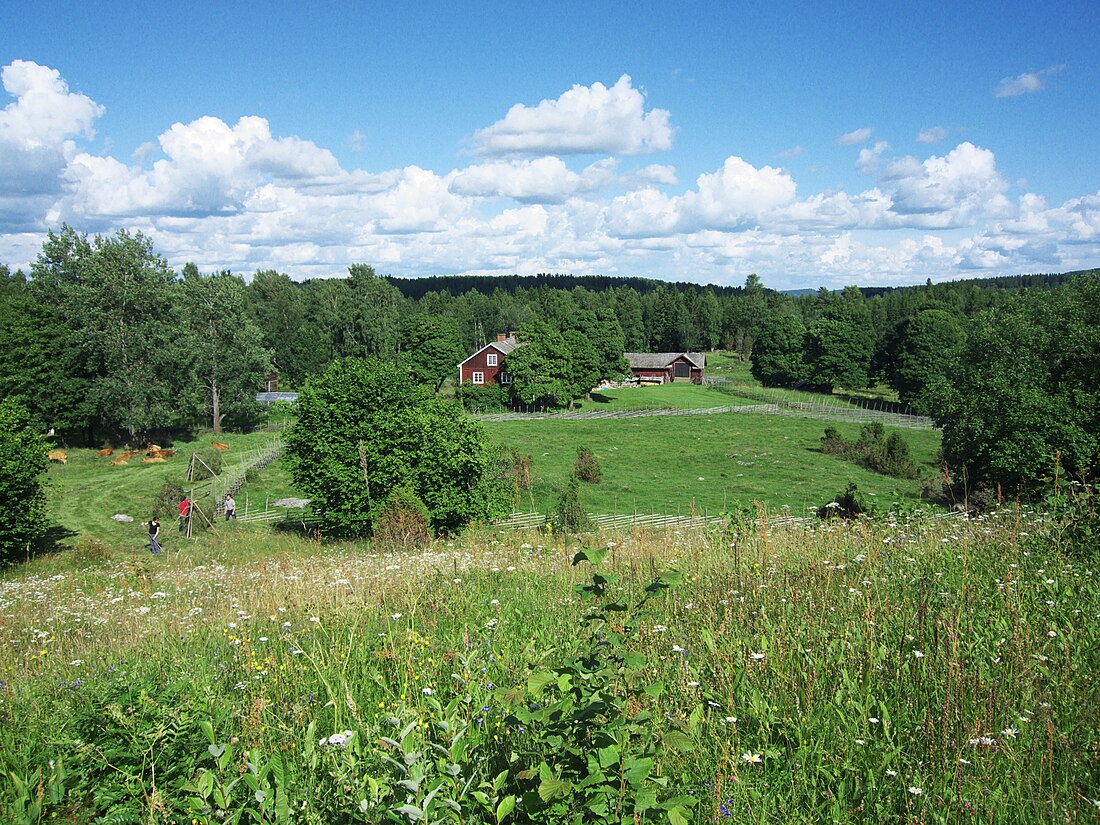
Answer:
(486, 366)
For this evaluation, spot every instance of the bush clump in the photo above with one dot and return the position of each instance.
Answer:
(404, 522)
(873, 450)
(587, 467)
(477, 398)
(570, 515)
(847, 505)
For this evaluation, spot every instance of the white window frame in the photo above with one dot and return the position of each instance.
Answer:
(491, 359)
(479, 378)
(504, 378)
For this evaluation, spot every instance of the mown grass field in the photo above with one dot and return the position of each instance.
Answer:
(909, 669)
(86, 491)
(712, 463)
(666, 465)
(683, 396)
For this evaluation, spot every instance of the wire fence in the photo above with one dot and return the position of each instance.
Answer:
(608, 521)
(578, 415)
(810, 406)
(209, 494)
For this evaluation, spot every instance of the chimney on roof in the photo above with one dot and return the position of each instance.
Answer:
(502, 336)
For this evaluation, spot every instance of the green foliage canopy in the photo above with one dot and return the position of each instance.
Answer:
(365, 428)
(22, 480)
(1027, 389)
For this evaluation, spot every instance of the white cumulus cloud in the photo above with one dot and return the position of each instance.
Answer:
(1026, 83)
(36, 137)
(953, 190)
(856, 136)
(933, 134)
(542, 180)
(585, 119)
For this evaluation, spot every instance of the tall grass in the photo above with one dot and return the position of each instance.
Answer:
(911, 669)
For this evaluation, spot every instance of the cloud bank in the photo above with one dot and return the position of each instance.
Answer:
(237, 196)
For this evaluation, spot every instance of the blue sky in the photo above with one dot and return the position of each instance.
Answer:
(813, 144)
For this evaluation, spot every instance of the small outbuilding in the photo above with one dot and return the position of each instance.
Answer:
(666, 367)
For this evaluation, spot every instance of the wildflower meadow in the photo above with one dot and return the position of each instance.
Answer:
(906, 668)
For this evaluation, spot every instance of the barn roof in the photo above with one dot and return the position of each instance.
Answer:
(660, 360)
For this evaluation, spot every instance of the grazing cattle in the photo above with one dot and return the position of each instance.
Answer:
(58, 455)
(219, 446)
(106, 452)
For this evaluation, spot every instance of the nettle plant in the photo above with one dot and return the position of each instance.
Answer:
(589, 749)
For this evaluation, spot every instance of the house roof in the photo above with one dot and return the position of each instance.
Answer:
(503, 347)
(661, 360)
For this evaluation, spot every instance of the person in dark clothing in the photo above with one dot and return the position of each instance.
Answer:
(154, 535)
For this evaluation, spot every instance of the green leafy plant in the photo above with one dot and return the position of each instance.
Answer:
(848, 505)
(873, 449)
(22, 480)
(591, 745)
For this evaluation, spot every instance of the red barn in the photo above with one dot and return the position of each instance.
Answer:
(486, 366)
(665, 367)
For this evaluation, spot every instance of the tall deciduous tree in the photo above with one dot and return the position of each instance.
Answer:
(1027, 389)
(928, 347)
(227, 358)
(278, 306)
(840, 342)
(777, 353)
(119, 305)
(365, 429)
(540, 368)
(431, 349)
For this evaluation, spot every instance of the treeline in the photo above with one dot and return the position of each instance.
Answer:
(105, 343)
(102, 340)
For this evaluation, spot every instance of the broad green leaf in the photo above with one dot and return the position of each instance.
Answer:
(506, 806)
(538, 680)
(677, 740)
(552, 788)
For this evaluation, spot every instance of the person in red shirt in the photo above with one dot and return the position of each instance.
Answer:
(185, 511)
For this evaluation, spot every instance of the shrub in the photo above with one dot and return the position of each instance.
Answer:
(848, 505)
(516, 468)
(477, 398)
(403, 522)
(873, 450)
(833, 442)
(587, 468)
(22, 480)
(570, 516)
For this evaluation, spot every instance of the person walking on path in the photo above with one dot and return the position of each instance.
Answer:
(230, 507)
(154, 535)
(185, 510)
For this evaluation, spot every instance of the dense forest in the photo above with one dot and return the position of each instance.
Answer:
(102, 342)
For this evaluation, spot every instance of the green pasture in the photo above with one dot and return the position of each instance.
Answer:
(86, 491)
(672, 464)
(675, 396)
